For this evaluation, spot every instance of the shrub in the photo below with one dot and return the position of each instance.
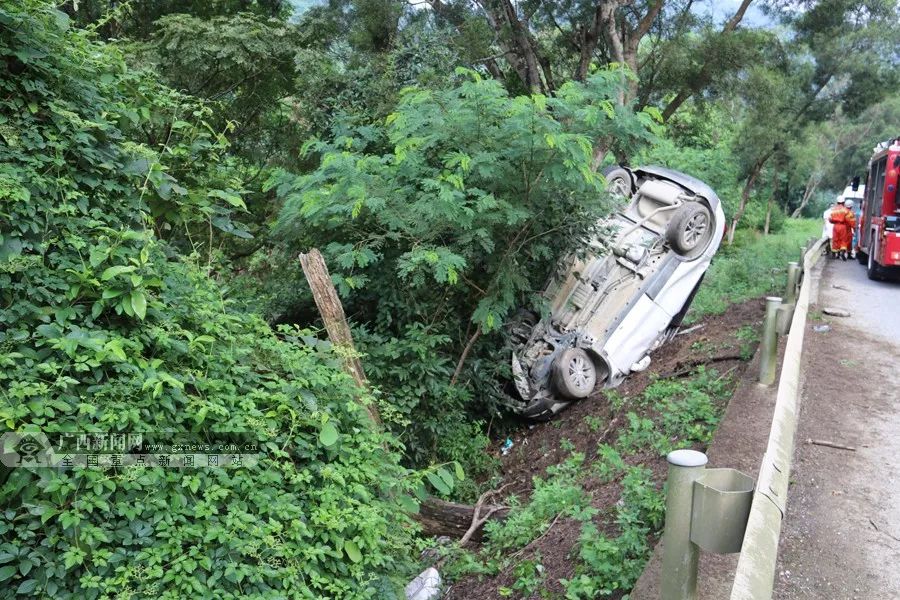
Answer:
(106, 329)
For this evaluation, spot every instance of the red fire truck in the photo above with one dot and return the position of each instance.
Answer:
(878, 239)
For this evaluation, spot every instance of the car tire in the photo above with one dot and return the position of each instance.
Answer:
(873, 271)
(619, 182)
(521, 324)
(574, 374)
(862, 257)
(691, 230)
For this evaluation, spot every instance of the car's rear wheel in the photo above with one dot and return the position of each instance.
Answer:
(691, 230)
(575, 374)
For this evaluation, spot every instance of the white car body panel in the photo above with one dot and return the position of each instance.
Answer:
(648, 319)
(619, 300)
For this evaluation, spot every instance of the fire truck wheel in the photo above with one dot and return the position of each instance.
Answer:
(872, 268)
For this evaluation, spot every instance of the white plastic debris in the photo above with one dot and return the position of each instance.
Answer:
(641, 364)
(426, 586)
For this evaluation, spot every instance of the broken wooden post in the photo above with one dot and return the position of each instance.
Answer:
(436, 516)
(332, 312)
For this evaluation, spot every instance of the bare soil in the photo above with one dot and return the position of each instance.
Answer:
(588, 423)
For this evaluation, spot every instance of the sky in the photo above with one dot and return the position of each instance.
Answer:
(721, 10)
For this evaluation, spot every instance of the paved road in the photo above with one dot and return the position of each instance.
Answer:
(841, 536)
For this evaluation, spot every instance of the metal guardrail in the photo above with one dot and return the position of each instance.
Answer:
(755, 575)
(719, 510)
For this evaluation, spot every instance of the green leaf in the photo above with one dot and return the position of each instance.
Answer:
(27, 586)
(7, 572)
(352, 551)
(139, 304)
(328, 435)
(408, 503)
(460, 474)
(111, 272)
(446, 476)
(437, 482)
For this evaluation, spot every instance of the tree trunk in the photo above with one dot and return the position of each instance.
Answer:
(704, 75)
(745, 194)
(439, 517)
(770, 201)
(811, 186)
(590, 35)
(332, 312)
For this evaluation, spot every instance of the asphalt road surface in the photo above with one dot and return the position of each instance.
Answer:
(841, 535)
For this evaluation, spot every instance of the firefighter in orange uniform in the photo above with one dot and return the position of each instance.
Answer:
(844, 221)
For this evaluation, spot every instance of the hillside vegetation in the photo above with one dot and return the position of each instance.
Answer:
(163, 164)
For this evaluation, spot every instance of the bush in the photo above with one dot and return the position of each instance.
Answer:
(754, 266)
(106, 329)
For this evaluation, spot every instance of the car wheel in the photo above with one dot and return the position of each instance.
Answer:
(574, 373)
(862, 257)
(521, 324)
(618, 182)
(691, 230)
(872, 270)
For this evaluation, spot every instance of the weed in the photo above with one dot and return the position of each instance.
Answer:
(609, 564)
(640, 433)
(609, 463)
(560, 493)
(754, 266)
(594, 424)
(529, 576)
(566, 445)
(749, 337)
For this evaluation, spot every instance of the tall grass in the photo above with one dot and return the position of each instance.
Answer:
(756, 265)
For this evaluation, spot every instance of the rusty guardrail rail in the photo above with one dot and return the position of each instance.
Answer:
(720, 510)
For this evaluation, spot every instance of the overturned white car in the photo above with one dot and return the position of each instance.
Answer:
(618, 301)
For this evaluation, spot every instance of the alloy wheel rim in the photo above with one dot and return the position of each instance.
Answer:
(695, 229)
(579, 372)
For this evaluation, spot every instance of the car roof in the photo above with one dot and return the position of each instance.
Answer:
(691, 183)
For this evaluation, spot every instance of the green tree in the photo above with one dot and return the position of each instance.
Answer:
(435, 240)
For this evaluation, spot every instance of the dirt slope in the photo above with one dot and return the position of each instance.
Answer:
(593, 421)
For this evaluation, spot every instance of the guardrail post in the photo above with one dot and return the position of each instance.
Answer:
(769, 346)
(680, 554)
(793, 279)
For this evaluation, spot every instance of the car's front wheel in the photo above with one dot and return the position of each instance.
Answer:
(691, 230)
(618, 182)
(575, 374)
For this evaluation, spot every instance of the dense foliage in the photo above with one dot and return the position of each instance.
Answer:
(106, 328)
(443, 221)
(162, 163)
